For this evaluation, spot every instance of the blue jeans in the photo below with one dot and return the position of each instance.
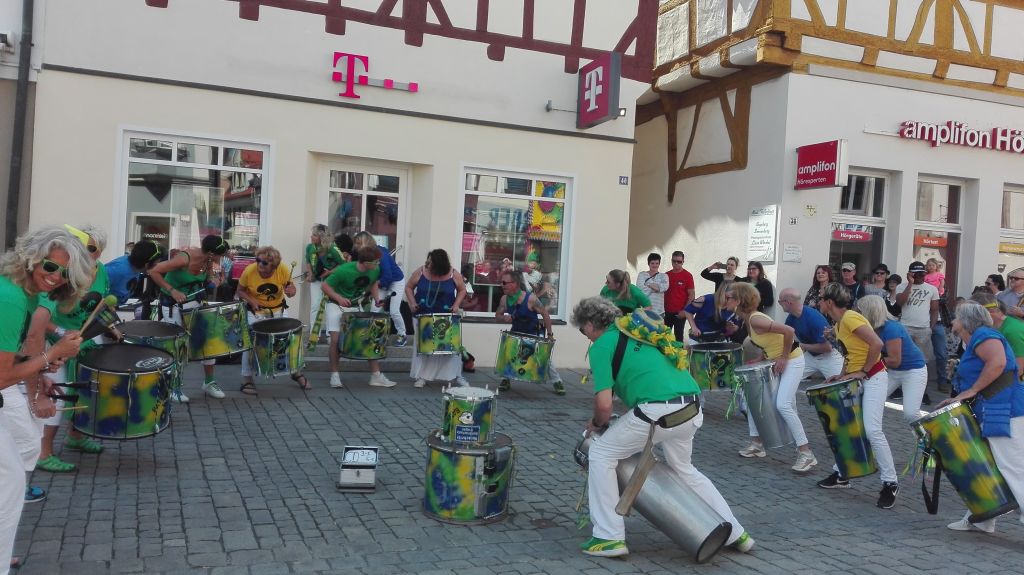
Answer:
(941, 354)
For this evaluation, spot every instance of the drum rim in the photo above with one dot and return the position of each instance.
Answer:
(539, 338)
(757, 365)
(940, 411)
(821, 386)
(710, 346)
(495, 442)
(211, 305)
(365, 314)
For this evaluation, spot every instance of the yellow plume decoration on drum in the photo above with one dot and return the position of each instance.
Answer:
(660, 336)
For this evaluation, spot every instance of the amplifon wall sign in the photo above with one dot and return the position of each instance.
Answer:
(959, 134)
(597, 95)
(353, 70)
(821, 165)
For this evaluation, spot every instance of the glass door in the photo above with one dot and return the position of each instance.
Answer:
(365, 198)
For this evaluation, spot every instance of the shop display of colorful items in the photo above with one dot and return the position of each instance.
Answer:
(469, 468)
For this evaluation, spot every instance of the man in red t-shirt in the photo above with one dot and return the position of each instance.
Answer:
(680, 293)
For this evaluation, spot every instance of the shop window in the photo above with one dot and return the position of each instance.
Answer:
(359, 201)
(937, 230)
(938, 203)
(519, 226)
(862, 196)
(178, 192)
(1013, 210)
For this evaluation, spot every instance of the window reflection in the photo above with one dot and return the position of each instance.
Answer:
(150, 149)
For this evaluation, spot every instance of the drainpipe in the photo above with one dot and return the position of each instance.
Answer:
(20, 112)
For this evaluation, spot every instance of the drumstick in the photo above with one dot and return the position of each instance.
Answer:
(75, 408)
(99, 307)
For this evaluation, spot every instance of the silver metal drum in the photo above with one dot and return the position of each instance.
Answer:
(671, 506)
(761, 390)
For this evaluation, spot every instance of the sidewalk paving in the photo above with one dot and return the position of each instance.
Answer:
(246, 485)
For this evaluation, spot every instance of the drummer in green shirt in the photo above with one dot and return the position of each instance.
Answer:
(620, 290)
(57, 321)
(657, 393)
(1011, 327)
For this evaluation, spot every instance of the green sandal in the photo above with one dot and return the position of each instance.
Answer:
(54, 464)
(83, 444)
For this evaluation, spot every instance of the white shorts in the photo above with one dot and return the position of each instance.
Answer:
(334, 313)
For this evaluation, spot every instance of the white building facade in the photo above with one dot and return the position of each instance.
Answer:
(431, 125)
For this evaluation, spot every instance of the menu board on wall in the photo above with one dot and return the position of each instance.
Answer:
(761, 230)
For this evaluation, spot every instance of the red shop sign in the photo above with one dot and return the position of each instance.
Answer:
(930, 241)
(597, 93)
(851, 236)
(821, 165)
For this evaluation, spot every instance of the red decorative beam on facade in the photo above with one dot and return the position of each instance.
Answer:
(640, 33)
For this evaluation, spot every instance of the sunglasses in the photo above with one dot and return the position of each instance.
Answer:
(263, 262)
(1011, 278)
(52, 267)
(880, 273)
(509, 282)
(730, 296)
(677, 261)
(583, 332)
(92, 248)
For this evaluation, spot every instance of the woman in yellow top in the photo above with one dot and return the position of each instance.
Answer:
(864, 362)
(776, 339)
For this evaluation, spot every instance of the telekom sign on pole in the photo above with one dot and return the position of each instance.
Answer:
(821, 165)
(597, 96)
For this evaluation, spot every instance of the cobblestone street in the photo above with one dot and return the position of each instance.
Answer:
(247, 485)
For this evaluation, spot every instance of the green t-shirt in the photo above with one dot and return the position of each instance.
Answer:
(645, 374)
(77, 316)
(1013, 330)
(635, 300)
(349, 282)
(17, 312)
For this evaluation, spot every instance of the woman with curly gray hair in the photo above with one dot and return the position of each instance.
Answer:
(652, 387)
(988, 374)
(48, 260)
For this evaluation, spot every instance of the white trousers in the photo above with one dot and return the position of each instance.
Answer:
(876, 390)
(627, 436)
(785, 402)
(913, 383)
(826, 364)
(1009, 455)
(173, 315)
(397, 289)
(12, 476)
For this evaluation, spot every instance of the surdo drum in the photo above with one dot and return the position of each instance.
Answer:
(365, 335)
(277, 346)
(523, 357)
(712, 364)
(129, 386)
(438, 334)
(162, 335)
(839, 409)
(761, 390)
(468, 415)
(468, 484)
(217, 329)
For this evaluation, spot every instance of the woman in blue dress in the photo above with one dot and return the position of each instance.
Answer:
(436, 288)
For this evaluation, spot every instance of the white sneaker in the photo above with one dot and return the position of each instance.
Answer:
(460, 381)
(178, 396)
(336, 381)
(804, 462)
(213, 390)
(964, 525)
(419, 382)
(753, 450)
(378, 379)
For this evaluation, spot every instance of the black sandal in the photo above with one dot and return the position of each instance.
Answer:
(302, 381)
(248, 388)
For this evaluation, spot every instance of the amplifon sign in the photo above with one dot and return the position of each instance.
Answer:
(597, 94)
(959, 134)
(821, 165)
(353, 70)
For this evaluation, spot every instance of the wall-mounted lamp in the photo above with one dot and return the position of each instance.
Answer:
(622, 112)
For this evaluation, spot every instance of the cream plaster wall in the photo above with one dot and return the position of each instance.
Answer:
(76, 175)
(288, 52)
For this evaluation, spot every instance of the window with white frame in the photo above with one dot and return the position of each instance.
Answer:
(858, 223)
(1011, 236)
(513, 221)
(180, 189)
(937, 231)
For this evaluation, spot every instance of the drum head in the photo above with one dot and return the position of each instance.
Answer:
(470, 393)
(221, 306)
(125, 358)
(147, 328)
(277, 325)
(933, 414)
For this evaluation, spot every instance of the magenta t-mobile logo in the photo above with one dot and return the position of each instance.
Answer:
(352, 69)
